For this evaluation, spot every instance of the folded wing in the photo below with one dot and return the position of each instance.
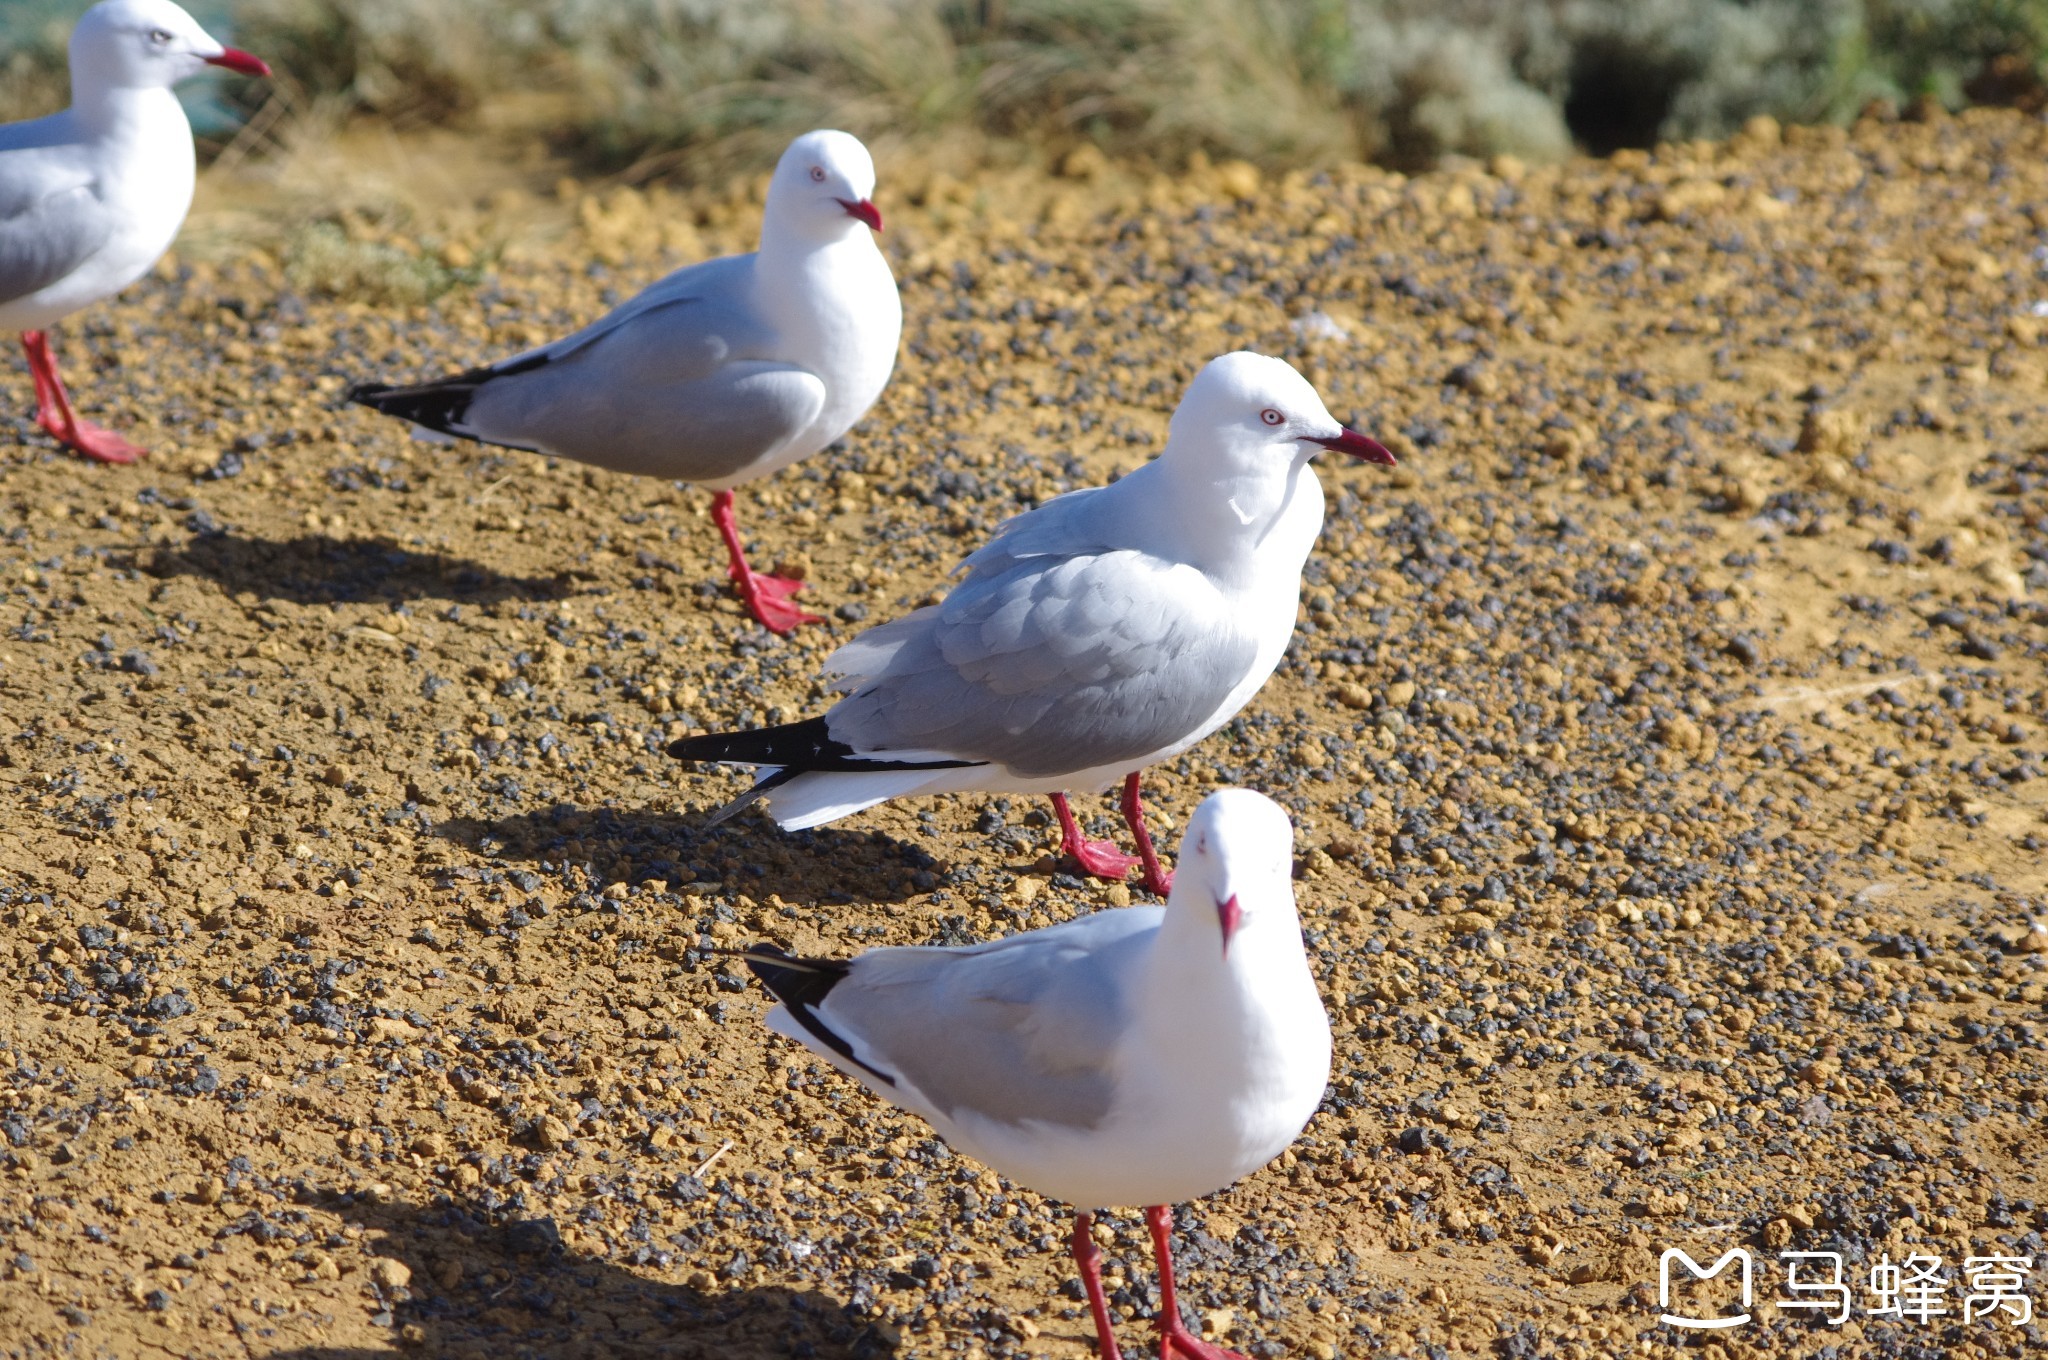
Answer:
(678, 381)
(1023, 1029)
(1048, 664)
(51, 222)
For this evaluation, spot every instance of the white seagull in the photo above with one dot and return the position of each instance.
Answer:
(718, 374)
(1099, 633)
(1139, 1056)
(91, 197)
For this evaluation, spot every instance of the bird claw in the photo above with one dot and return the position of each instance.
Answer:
(767, 599)
(1180, 1344)
(1101, 859)
(779, 587)
(1161, 883)
(93, 441)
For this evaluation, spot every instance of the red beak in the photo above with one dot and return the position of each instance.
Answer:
(1228, 916)
(1358, 446)
(865, 210)
(235, 59)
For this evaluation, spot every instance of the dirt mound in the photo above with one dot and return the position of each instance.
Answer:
(1668, 740)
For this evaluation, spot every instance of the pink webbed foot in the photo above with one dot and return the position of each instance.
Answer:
(59, 421)
(1178, 1343)
(1099, 859)
(767, 599)
(766, 595)
(92, 441)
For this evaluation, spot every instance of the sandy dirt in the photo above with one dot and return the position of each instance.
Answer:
(1667, 739)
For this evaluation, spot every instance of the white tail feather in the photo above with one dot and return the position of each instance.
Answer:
(827, 795)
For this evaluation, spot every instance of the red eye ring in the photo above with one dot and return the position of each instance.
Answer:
(1272, 417)
(817, 174)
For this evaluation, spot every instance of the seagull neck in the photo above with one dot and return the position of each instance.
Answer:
(128, 114)
(792, 270)
(1188, 955)
(1228, 1019)
(783, 248)
(1240, 523)
(1196, 993)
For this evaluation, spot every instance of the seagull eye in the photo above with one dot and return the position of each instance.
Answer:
(817, 174)
(1271, 416)
(159, 36)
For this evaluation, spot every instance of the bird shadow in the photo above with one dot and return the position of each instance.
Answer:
(315, 569)
(629, 845)
(490, 1289)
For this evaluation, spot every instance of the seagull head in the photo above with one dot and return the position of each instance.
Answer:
(1235, 874)
(823, 188)
(146, 45)
(1259, 412)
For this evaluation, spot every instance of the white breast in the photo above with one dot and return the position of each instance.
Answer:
(143, 171)
(841, 319)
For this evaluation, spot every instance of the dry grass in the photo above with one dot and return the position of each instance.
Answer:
(32, 37)
(698, 88)
(380, 159)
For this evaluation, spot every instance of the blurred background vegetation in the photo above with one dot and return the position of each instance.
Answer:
(696, 89)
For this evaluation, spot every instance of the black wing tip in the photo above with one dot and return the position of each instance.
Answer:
(793, 979)
(796, 748)
(438, 406)
(442, 403)
(797, 744)
(801, 984)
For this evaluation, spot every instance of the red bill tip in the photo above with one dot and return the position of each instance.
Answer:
(1358, 446)
(864, 210)
(235, 59)
(1229, 916)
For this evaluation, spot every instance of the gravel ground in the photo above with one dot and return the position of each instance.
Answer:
(1668, 741)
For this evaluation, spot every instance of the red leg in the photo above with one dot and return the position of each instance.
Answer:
(1156, 879)
(1089, 1258)
(54, 413)
(766, 596)
(1099, 859)
(41, 370)
(1174, 1337)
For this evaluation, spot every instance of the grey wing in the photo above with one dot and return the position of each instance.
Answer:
(1049, 665)
(698, 428)
(1063, 526)
(1075, 524)
(44, 238)
(1022, 1029)
(720, 323)
(660, 385)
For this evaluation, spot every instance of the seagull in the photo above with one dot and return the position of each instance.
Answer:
(1135, 1056)
(718, 374)
(1104, 631)
(91, 197)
